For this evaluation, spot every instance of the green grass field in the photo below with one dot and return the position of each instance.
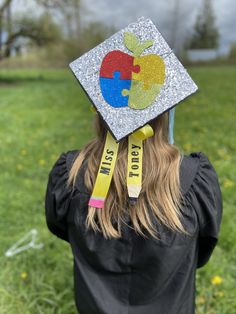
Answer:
(44, 113)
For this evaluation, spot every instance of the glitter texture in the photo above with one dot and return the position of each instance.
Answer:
(122, 121)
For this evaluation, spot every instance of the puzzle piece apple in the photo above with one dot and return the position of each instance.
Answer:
(133, 81)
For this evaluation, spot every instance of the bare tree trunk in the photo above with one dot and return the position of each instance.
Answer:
(175, 25)
(5, 4)
(9, 30)
(1, 30)
(5, 7)
(77, 18)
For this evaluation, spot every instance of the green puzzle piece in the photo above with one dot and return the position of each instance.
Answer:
(140, 98)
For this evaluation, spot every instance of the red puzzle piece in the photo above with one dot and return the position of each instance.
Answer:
(115, 61)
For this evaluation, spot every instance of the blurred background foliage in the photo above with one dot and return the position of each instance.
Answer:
(44, 112)
(50, 38)
(51, 33)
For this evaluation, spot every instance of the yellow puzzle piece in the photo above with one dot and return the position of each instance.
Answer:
(152, 70)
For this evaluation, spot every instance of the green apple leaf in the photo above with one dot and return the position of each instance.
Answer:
(147, 44)
(131, 41)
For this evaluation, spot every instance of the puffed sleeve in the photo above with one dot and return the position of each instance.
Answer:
(205, 196)
(57, 198)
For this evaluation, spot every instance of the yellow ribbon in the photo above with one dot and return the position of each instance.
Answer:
(144, 132)
(135, 161)
(107, 165)
(105, 172)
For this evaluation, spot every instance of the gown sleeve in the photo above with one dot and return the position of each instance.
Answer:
(205, 196)
(57, 198)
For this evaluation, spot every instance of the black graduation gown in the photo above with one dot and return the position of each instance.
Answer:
(133, 275)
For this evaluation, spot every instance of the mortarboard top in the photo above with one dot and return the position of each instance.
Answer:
(132, 78)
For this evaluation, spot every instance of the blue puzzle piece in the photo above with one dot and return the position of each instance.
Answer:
(112, 90)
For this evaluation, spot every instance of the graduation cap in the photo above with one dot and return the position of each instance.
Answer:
(131, 78)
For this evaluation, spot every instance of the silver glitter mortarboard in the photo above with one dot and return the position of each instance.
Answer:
(132, 77)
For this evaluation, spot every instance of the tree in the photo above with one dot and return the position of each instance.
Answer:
(67, 12)
(232, 54)
(206, 35)
(175, 25)
(41, 31)
(4, 10)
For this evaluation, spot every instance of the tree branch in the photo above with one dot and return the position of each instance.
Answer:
(4, 6)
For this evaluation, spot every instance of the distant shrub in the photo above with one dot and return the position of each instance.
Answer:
(232, 54)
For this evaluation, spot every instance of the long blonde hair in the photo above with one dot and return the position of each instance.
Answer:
(160, 196)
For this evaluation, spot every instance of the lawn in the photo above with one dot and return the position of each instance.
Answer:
(43, 113)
